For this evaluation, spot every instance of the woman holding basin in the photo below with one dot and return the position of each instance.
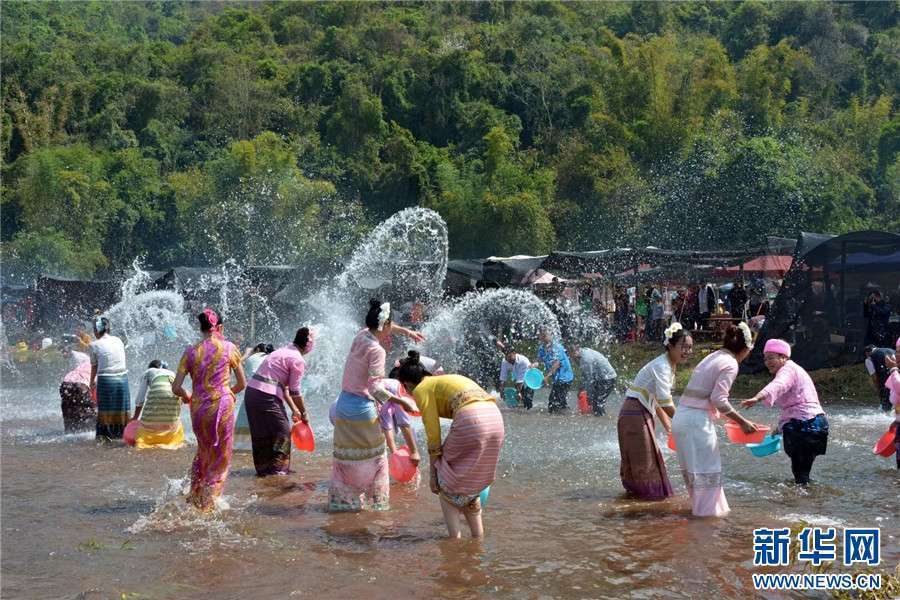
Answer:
(802, 422)
(704, 399)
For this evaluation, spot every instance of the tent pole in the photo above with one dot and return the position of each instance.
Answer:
(843, 307)
(826, 280)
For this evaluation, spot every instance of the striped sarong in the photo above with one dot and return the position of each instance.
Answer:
(160, 417)
(469, 453)
(359, 472)
(113, 406)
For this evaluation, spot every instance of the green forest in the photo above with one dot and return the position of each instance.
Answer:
(191, 133)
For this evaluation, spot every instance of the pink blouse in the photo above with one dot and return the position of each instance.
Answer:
(80, 374)
(364, 369)
(283, 367)
(893, 384)
(710, 383)
(794, 393)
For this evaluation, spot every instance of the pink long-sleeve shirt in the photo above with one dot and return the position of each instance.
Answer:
(283, 367)
(710, 383)
(794, 393)
(893, 384)
(80, 374)
(364, 369)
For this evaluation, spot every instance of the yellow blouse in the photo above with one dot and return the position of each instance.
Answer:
(443, 396)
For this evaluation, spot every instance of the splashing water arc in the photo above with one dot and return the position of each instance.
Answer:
(407, 254)
(464, 334)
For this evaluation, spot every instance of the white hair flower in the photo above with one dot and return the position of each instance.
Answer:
(384, 315)
(748, 335)
(672, 330)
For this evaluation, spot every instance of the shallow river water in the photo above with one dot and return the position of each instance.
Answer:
(86, 521)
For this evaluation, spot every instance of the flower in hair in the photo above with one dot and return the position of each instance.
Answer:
(672, 330)
(748, 335)
(384, 315)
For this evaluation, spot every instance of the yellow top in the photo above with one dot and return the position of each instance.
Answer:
(443, 396)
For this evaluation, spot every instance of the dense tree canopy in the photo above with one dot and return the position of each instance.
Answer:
(194, 132)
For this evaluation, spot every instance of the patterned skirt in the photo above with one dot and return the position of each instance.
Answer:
(469, 453)
(643, 470)
(78, 410)
(359, 474)
(270, 432)
(113, 406)
(163, 437)
(697, 446)
(213, 424)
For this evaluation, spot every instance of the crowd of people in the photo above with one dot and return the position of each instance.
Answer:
(372, 416)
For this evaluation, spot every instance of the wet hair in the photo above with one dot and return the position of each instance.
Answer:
(411, 369)
(205, 325)
(301, 339)
(269, 349)
(733, 340)
(372, 315)
(155, 364)
(101, 325)
(676, 337)
(260, 347)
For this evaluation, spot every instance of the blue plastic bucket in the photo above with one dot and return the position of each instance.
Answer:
(509, 395)
(534, 379)
(770, 445)
(483, 496)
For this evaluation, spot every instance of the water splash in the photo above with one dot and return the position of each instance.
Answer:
(404, 258)
(463, 335)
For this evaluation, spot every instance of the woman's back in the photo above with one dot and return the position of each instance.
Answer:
(209, 363)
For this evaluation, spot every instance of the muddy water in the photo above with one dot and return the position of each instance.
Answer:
(87, 521)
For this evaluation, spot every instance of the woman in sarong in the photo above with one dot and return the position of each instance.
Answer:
(643, 470)
(704, 399)
(78, 409)
(465, 463)
(158, 410)
(109, 376)
(209, 364)
(893, 384)
(270, 428)
(802, 422)
(359, 473)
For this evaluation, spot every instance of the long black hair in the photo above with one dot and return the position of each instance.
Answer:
(411, 369)
(373, 314)
(302, 337)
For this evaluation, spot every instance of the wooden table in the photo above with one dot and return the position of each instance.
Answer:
(721, 322)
